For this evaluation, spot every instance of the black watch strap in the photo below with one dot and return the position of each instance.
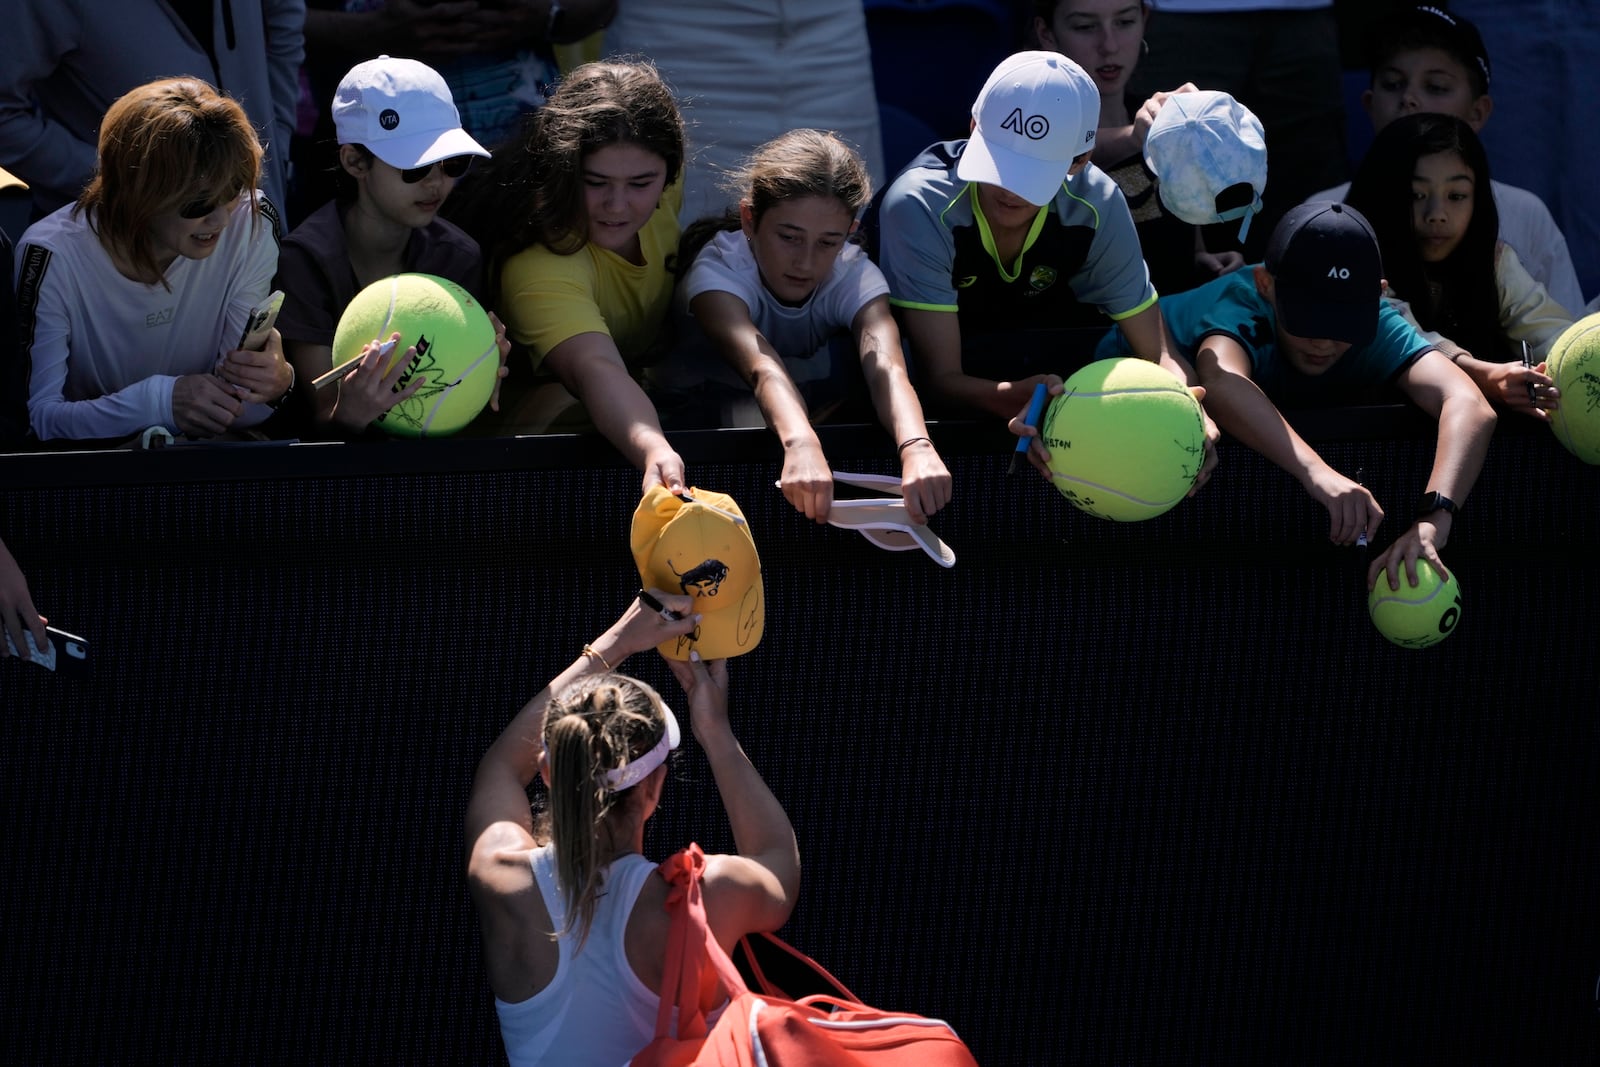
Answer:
(1434, 501)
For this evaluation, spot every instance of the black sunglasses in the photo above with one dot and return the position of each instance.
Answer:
(454, 167)
(199, 209)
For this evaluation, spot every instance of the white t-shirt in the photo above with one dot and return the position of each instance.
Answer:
(798, 334)
(1527, 226)
(105, 350)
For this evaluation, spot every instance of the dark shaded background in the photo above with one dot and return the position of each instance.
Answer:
(1149, 793)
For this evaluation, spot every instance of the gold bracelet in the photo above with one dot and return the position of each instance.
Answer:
(589, 650)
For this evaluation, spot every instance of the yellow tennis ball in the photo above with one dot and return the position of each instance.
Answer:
(1126, 439)
(456, 351)
(1574, 362)
(1416, 616)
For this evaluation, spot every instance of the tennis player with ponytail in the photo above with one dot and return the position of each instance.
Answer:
(574, 930)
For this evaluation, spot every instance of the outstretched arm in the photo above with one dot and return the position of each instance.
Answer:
(807, 480)
(924, 479)
(1246, 412)
(592, 369)
(1466, 425)
(756, 889)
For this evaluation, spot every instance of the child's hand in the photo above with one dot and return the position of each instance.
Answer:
(368, 390)
(663, 467)
(505, 351)
(1216, 264)
(924, 481)
(1038, 455)
(1528, 390)
(807, 481)
(1421, 541)
(1147, 111)
(1352, 509)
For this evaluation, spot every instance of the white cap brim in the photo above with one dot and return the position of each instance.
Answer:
(421, 149)
(1035, 180)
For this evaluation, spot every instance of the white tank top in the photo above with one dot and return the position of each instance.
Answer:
(596, 1012)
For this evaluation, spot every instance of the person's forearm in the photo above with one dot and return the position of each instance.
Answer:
(759, 823)
(128, 411)
(780, 401)
(1241, 409)
(996, 398)
(1466, 426)
(626, 418)
(889, 384)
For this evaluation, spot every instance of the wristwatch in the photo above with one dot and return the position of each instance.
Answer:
(1434, 501)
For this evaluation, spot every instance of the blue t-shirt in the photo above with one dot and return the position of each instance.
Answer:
(1230, 306)
(1081, 259)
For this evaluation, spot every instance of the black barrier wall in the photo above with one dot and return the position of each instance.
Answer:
(1149, 793)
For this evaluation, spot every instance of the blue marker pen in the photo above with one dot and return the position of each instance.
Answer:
(1035, 406)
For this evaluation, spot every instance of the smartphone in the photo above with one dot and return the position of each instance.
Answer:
(258, 326)
(68, 654)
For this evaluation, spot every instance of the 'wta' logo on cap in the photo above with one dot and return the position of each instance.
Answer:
(1033, 127)
(389, 118)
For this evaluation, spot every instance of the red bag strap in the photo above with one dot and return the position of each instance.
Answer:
(690, 947)
(817, 973)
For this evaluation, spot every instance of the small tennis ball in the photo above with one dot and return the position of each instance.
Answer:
(1416, 616)
(1574, 362)
(1126, 439)
(455, 346)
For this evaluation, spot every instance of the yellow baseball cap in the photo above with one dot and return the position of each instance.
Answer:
(699, 544)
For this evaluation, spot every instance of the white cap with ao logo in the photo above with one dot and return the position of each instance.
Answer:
(1036, 114)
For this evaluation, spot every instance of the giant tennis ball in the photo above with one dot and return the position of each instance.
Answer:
(1416, 616)
(1574, 362)
(455, 345)
(1126, 439)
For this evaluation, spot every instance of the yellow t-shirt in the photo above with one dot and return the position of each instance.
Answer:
(548, 298)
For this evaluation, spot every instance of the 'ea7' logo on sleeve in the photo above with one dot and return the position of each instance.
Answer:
(1033, 127)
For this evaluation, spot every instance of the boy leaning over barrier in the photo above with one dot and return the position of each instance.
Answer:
(1307, 327)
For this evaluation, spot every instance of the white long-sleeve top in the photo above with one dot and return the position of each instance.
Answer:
(105, 351)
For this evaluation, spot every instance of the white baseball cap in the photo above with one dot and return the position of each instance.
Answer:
(1209, 153)
(1036, 114)
(402, 111)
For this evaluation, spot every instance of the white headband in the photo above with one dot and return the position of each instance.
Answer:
(622, 778)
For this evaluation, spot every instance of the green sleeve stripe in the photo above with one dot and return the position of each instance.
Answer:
(1131, 312)
(914, 306)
